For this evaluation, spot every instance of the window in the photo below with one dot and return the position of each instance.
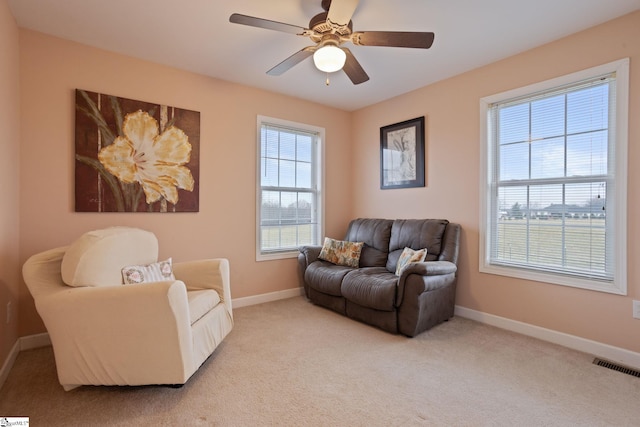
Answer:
(289, 198)
(553, 186)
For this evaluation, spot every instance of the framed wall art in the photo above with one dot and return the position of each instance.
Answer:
(135, 156)
(402, 154)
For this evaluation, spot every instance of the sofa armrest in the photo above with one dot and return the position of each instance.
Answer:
(206, 274)
(427, 276)
(430, 268)
(310, 253)
(89, 325)
(307, 255)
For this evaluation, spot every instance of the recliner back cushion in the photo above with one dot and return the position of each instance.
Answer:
(98, 257)
(375, 233)
(416, 234)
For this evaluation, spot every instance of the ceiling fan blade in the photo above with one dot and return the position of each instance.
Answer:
(341, 11)
(237, 18)
(353, 69)
(294, 59)
(393, 39)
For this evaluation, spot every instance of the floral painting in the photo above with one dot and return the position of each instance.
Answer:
(135, 156)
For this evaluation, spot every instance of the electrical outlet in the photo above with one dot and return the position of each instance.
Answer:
(9, 313)
(636, 309)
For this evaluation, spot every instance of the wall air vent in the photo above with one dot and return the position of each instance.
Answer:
(616, 367)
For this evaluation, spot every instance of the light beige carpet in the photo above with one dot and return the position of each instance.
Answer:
(290, 363)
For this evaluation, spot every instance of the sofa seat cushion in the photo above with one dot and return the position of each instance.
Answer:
(326, 277)
(201, 302)
(372, 287)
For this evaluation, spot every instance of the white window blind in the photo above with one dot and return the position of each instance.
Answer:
(552, 175)
(288, 194)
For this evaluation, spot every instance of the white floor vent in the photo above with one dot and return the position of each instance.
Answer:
(616, 367)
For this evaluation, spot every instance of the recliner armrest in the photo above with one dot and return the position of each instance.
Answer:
(310, 253)
(430, 268)
(307, 254)
(434, 275)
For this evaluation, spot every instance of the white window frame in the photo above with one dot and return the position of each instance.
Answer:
(619, 283)
(318, 177)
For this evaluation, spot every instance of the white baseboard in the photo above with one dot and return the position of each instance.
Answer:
(8, 364)
(613, 354)
(272, 296)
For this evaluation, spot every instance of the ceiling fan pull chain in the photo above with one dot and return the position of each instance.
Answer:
(327, 82)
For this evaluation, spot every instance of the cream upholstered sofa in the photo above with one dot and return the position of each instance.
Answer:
(104, 332)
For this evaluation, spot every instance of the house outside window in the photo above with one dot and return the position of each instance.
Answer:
(554, 180)
(289, 187)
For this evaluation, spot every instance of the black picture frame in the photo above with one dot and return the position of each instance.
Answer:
(402, 154)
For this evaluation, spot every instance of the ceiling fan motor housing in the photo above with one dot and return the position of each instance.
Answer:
(321, 25)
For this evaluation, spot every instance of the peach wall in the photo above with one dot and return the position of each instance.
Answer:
(10, 281)
(451, 108)
(51, 69)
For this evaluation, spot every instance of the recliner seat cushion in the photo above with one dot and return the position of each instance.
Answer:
(372, 287)
(326, 277)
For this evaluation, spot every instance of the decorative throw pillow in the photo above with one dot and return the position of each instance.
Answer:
(341, 252)
(409, 255)
(156, 272)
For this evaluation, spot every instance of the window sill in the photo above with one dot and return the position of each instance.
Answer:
(276, 256)
(556, 279)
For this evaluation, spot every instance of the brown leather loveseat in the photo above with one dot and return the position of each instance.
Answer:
(421, 296)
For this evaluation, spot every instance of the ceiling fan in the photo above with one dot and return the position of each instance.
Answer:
(329, 30)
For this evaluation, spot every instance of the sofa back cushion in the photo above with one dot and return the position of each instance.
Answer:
(415, 234)
(375, 233)
(98, 257)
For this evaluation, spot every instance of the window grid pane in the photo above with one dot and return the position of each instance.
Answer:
(550, 178)
(288, 204)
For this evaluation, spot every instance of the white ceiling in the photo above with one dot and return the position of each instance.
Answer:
(196, 35)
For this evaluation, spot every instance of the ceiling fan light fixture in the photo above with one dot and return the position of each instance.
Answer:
(329, 58)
